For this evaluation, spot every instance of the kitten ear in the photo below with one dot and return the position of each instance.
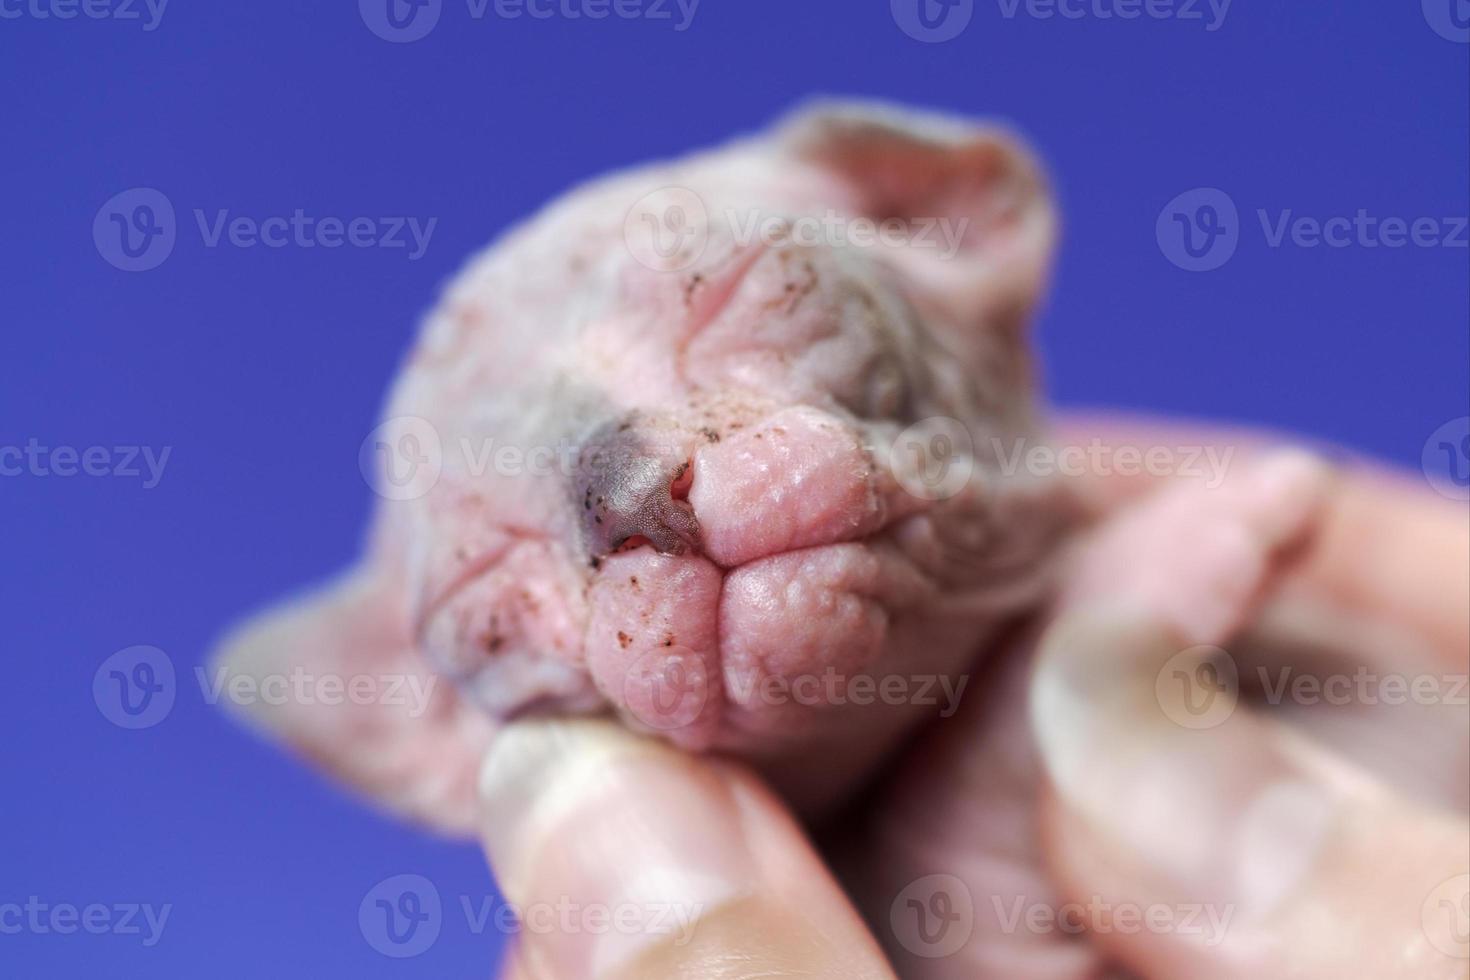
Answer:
(335, 675)
(980, 220)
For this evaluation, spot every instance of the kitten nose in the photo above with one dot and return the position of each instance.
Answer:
(632, 487)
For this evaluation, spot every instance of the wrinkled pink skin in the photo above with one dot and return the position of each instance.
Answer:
(735, 517)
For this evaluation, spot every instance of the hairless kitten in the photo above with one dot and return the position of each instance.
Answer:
(714, 445)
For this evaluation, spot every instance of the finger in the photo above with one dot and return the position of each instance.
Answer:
(1201, 557)
(627, 858)
(1375, 692)
(511, 968)
(955, 828)
(1387, 549)
(962, 815)
(1200, 840)
(1374, 607)
(1222, 845)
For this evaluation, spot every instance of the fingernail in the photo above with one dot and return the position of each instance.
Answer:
(1213, 814)
(1293, 483)
(607, 843)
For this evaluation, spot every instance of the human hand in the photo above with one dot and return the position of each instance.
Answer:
(1258, 850)
(1290, 837)
(628, 858)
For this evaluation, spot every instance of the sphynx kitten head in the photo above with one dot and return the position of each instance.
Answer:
(712, 445)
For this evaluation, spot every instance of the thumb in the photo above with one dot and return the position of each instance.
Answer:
(1215, 843)
(625, 858)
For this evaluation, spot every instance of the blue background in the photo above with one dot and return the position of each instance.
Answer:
(263, 368)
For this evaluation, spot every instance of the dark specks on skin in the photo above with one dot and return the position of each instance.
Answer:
(695, 281)
(493, 639)
(793, 291)
(710, 435)
(624, 640)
